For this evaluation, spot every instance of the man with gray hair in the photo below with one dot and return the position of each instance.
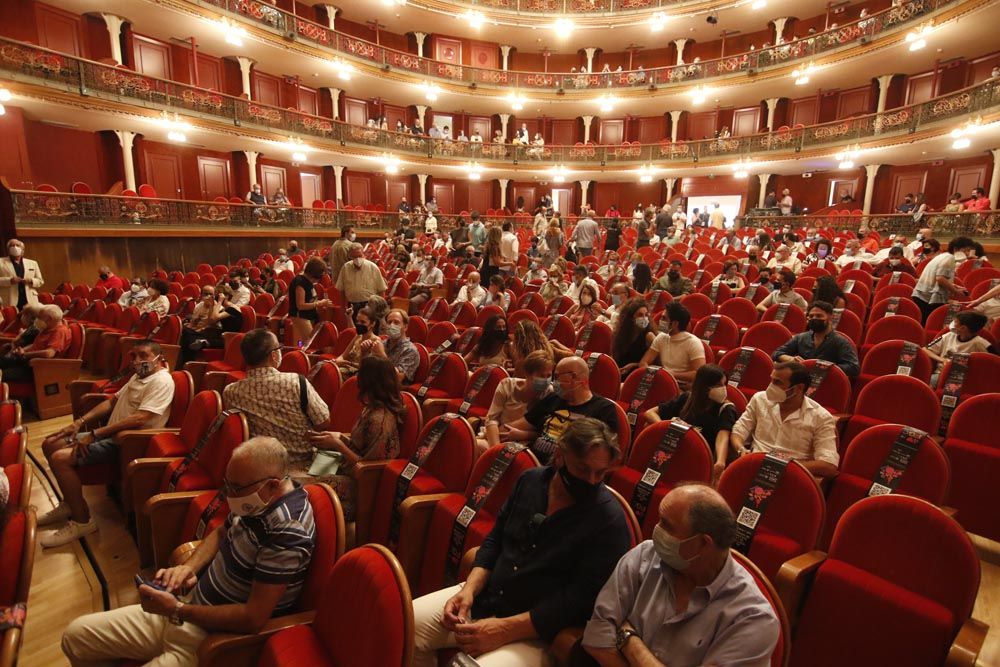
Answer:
(249, 569)
(53, 339)
(680, 599)
(554, 544)
(360, 279)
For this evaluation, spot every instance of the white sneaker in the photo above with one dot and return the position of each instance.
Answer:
(59, 514)
(71, 531)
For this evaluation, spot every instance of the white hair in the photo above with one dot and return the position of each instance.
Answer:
(51, 310)
(265, 454)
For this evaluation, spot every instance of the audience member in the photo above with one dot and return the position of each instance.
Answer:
(936, 284)
(731, 276)
(283, 262)
(20, 277)
(673, 283)
(471, 291)
(360, 279)
(784, 294)
(853, 253)
(430, 278)
(631, 335)
(143, 403)
(961, 336)
(156, 300)
(496, 294)
(823, 252)
(108, 280)
(784, 258)
(135, 295)
(493, 346)
(341, 250)
(303, 308)
(785, 421)
(29, 322)
(587, 309)
(675, 348)
(894, 263)
(827, 289)
(270, 526)
(642, 278)
(554, 544)
(366, 328)
(988, 304)
(53, 339)
(241, 293)
(581, 277)
(514, 396)
(681, 599)
(584, 234)
(821, 341)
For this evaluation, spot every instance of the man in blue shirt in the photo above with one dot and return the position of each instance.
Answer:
(820, 341)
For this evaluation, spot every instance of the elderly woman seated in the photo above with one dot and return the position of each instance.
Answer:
(53, 339)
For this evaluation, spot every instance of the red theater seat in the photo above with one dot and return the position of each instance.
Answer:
(973, 448)
(892, 399)
(758, 371)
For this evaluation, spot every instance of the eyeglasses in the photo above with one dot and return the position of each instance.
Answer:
(231, 490)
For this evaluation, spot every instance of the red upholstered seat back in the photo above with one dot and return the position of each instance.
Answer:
(883, 359)
(209, 467)
(663, 389)
(521, 314)
(263, 304)
(973, 448)
(698, 305)
(767, 336)
(983, 376)
(432, 573)
(439, 333)
(170, 332)
(409, 429)
(75, 349)
(183, 394)
(326, 336)
(532, 301)
(741, 311)
(12, 448)
(725, 337)
(13, 538)
(794, 320)
(604, 376)
(445, 469)
(904, 307)
(834, 393)
(894, 328)
(328, 517)
(346, 407)
(599, 340)
(485, 395)
(451, 378)
(466, 316)
(913, 404)
(232, 356)
(900, 579)
(326, 380)
(10, 415)
(563, 331)
(294, 362)
(926, 477)
(757, 375)
(779, 656)
(794, 517)
(691, 462)
(344, 338)
(416, 329)
(204, 408)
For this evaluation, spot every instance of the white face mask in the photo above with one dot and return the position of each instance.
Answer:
(960, 256)
(136, 289)
(718, 394)
(16, 251)
(586, 300)
(668, 548)
(279, 358)
(250, 505)
(394, 331)
(357, 262)
(776, 394)
(352, 236)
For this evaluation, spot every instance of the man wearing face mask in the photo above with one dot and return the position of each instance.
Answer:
(675, 348)
(20, 277)
(612, 268)
(936, 285)
(673, 282)
(135, 294)
(144, 402)
(581, 277)
(892, 263)
(398, 349)
(618, 294)
(241, 293)
(294, 249)
(283, 262)
(786, 421)
(917, 246)
(471, 291)
(544, 424)
(554, 544)
(108, 280)
(360, 279)
(53, 338)
(784, 294)
(340, 250)
(270, 526)
(820, 341)
(680, 599)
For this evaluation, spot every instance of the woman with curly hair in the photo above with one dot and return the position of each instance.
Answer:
(528, 337)
(588, 310)
(642, 278)
(827, 289)
(632, 335)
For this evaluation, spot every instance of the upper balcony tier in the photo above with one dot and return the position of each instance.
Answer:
(62, 79)
(267, 22)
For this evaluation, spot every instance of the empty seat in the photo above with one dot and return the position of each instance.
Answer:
(973, 448)
(892, 399)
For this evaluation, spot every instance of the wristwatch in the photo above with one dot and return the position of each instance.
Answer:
(622, 637)
(175, 615)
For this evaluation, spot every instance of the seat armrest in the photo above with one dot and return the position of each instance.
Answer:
(232, 650)
(132, 445)
(197, 371)
(794, 577)
(950, 511)
(562, 646)
(143, 477)
(182, 553)
(415, 515)
(433, 407)
(166, 512)
(366, 475)
(964, 651)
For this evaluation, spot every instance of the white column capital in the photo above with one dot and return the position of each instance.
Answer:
(763, 179)
(422, 179)
(252, 165)
(772, 106)
(245, 65)
(680, 44)
(779, 29)
(772, 102)
(884, 82)
(114, 24)
(331, 15)
(587, 120)
(420, 36)
(584, 187)
(505, 53)
(871, 170)
(675, 119)
(504, 121)
(335, 99)
(590, 51)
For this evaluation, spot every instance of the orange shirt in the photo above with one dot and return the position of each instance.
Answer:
(57, 339)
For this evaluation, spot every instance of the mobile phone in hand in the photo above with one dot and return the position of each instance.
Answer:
(140, 580)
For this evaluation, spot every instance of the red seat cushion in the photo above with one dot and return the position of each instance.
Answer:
(974, 492)
(12, 538)
(433, 568)
(297, 646)
(423, 483)
(166, 444)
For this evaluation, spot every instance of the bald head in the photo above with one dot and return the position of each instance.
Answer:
(696, 509)
(575, 365)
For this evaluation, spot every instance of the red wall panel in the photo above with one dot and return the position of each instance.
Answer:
(480, 196)
(804, 112)
(745, 121)
(484, 54)
(266, 88)
(152, 57)
(652, 130)
(58, 30)
(564, 132)
(854, 102)
(308, 100)
(210, 74)
(920, 88)
(611, 132)
(355, 111)
(61, 155)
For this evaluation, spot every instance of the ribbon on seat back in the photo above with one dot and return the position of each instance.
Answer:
(908, 358)
(710, 327)
(740, 367)
(584, 338)
(550, 327)
(641, 392)
(893, 306)
(432, 375)
(485, 373)
(817, 376)
(758, 496)
(713, 291)
(473, 503)
(456, 310)
(192, 456)
(953, 388)
(849, 285)
(416, 462)
(901, 454)
(952, 311)
(206, 514)
(779, 314)
(838, 314)
(277, 304)
(894, 278)
(656, 466)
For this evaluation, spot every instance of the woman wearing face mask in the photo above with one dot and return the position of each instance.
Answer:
(156, 298)
(553, 287)
(632, 335)
(514, 396)
(612, 241)
(731, 276)
(375, 436)
(893, 263)
(823, 251)
(706, 408)
(494, 344)
(588, 310)
(135, 294)
(302, 304)
(367, 330)
(553, 242)
(20, 277)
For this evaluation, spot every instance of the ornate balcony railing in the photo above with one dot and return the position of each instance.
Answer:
(26, 62)
(34, 209)
(291, 26)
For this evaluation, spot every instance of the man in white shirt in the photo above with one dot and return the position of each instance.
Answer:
(509, 245)
(360, 279)
(917, 247)
(784, 259)
(430, 223)
(580, 277)
(786, 202)
(936, 285)
(477, 138)
(283, 262)
(431, 277)
(784, 294)
(434, 132)
(584, 234)
(853, 252)
(143, 403)
(785, 421)
(618, 294)
(961, 337)
(241, 293)
(612, 268)
(674, 348)
(461, 136)
(471, 291)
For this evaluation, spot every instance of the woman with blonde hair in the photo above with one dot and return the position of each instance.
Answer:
(529, 337)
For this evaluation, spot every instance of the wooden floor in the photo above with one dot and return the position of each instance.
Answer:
(65, 585)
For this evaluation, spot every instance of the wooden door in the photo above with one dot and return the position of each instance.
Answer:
(312, 188)
(562, 200)
(612, 132)
(152, 57)
(308, 101)
(355, 111)
(266, 89)
(903, 184)
(444, 193)
(396, 191)
(213, 174)
(210, 74)
(272, 178)
(528, 193)
(480, 196)
(745, 121)
(841, 188)
(804, 111)
(359, 190)
(163, 172)
(965, 179)
(481, 124)
(57, 30)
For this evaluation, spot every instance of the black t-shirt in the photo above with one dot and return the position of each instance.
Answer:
(551, 415)
(634, 352)
(293, 307)
(718, 417)
(613, 239)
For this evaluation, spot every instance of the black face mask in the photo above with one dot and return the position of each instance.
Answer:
(674, 275)
(362, 329)
(579, 490)
(500, 334)
(928, 250)
(103, 276)
(234, 284)
(816, 326)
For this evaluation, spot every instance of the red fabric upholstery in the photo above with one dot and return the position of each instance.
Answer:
(481, 404)
(691, 462)
(791, 525)
(663, 389)
(779, 655)
(446, 469)
(834, 393)
(905, 307)
(204, 408)
(15, 476)
(232, 359)
(741, 311)
(432, 572)
(767, 336)
(794, 320)
(892, 328)
(12, 538)
(346, 407)
(883, 359)
(10, 415)
(983, 376)
(11, 449)
(450, 380)
(326, 380)
(758, 372)
(926, 477)
(363, 617)
(605, 377)
(439, 333)
(599, 341)
(725, 337)
(913, 404)
(563, 331)
(208, 469)
(698, 305)
(973, 447)
(850, 325)
(900, 579)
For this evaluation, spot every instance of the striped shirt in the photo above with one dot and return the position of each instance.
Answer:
(273, 548)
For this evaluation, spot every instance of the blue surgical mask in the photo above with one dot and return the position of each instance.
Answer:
(540, 385)
(616, 300)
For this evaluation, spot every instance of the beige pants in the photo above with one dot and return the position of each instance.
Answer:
(430, 636)
(129, 633)
(301, 330)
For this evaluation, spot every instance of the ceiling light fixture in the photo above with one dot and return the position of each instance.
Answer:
(232, 32)
(698, 95)
(475, 171)
(961, 134)
(559, 173)
(845, 158)
(516, 101)
(390, 163)
(177, 129)
(5, 95)
(607, 102)
(176, 136)
(759, 4)
(657, 22)
(475, 19)
(563, 27)
(742, 168)
(431, 91)
(342, 68)
(390, 3)
(646, 172)
(917, 39)
(801, 76)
